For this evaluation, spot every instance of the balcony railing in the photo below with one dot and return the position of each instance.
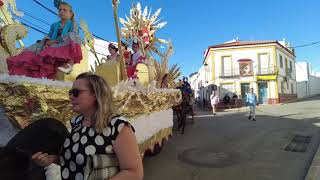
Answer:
(267, 70)
(230, 74)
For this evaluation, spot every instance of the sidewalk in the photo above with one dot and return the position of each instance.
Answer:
(314, 169)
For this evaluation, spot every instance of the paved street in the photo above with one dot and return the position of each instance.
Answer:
(231, 147)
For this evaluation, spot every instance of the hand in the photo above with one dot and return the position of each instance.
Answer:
(50, 42)
(44, 159)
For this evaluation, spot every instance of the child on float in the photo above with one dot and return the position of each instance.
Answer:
(113, 50)
(59, 50)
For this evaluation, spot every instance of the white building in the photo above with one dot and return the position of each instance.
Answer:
(200, 84)
(266, 66)
(316, 74)
(307, 84)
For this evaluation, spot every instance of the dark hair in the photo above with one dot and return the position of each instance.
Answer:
(136, 44)
(112, 46)
(124, 45)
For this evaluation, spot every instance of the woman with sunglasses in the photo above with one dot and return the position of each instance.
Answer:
(97, 130)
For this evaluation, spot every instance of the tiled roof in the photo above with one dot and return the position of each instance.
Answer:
(242, 43)
(248, 43)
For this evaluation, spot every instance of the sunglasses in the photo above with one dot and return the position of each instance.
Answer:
(76, 92)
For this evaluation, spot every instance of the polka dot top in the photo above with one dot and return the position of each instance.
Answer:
(84, 141)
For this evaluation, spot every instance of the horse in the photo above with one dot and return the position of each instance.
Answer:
(182, 110)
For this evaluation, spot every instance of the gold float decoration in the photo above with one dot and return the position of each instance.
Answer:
(28, 101)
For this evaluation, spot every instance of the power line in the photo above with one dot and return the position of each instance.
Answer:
(48, 9)
(33, 28)
(38, 19)
(36, 29)
(40, 4)
(32, 24)
(304, 45)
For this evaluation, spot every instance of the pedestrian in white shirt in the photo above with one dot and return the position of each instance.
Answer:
(214, 101)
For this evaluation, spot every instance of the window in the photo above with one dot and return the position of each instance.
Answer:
(290, 66)
(264, 63)
(282, 87)
(281, 62)
(292, 92)
(226, 66)
(199, 84)
(286, 63)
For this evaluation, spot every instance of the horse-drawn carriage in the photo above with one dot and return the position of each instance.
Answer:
(186, 107)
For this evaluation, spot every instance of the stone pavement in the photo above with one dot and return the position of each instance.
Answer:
(229, 146)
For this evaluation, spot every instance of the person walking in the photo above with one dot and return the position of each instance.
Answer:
(252, 103)
(214, 101)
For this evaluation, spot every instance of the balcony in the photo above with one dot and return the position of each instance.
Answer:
(230, 74)
(271, 70)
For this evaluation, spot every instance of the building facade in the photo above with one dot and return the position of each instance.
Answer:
(266, 66)
(307, 83)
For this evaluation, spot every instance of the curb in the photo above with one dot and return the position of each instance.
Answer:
(299, 99)
(240, 109)
(314, 169)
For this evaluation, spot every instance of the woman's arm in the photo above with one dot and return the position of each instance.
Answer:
(127, 151)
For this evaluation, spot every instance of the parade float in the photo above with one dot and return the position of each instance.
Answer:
(140, 98)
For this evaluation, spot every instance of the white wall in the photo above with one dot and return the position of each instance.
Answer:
(308, 88)
(199, 79)
(302, 72)
(271, 87)
(303, 89)
(314, 85)
(193, 81)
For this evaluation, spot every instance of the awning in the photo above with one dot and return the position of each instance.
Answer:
(267, 77)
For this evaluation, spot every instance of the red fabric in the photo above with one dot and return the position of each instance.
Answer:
(127, 54)
(44, 64)
(130, 71)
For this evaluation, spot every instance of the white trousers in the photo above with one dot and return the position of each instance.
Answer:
(252, 111)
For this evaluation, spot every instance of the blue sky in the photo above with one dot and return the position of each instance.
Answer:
(195, 25)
